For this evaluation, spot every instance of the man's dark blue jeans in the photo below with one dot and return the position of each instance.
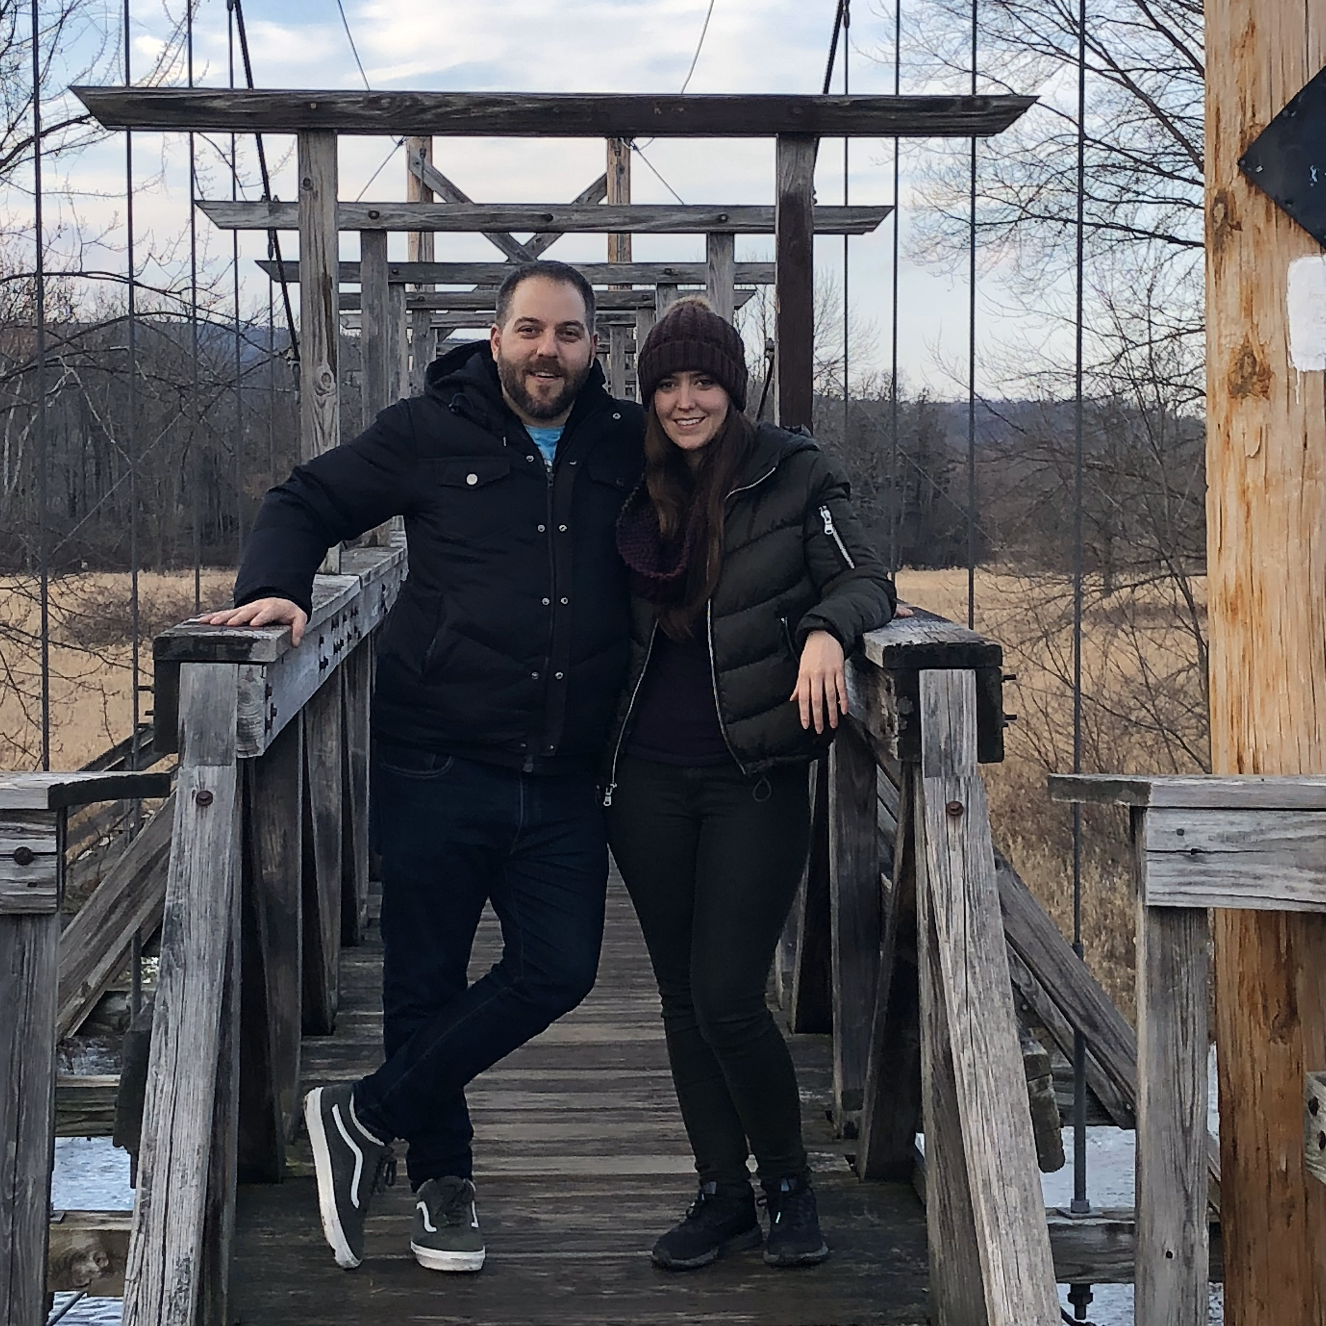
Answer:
(454, 833)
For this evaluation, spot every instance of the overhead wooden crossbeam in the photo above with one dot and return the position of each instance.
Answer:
(463, 301)
(465, 218)
(494, 273)
(550, 115)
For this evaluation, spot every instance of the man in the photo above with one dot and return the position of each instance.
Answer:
(498, 669)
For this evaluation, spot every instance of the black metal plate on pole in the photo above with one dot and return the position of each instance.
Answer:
(1287, 160)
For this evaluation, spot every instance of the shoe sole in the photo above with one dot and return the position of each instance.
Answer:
(801, 1259)
(434, 1260)
(331, 1220)
(752, 1238)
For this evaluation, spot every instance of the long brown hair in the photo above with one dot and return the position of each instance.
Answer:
(690, 504)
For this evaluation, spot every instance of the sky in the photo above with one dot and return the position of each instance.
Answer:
(592, 45)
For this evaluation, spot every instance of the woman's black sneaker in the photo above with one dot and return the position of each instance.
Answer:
(715, 1223)
(794, 1224)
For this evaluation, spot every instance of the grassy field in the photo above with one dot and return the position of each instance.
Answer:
(1143, 711)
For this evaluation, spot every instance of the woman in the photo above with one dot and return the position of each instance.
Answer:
(750, 579)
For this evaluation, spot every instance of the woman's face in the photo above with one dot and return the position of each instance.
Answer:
(691, 407)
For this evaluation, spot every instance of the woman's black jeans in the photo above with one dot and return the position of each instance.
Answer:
(712, 859)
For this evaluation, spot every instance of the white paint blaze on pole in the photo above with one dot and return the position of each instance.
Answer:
(1305, 304)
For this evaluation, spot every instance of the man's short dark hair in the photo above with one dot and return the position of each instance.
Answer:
(553, 271)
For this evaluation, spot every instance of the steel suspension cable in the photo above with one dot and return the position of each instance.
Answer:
(131, 423)
(971, 350)
(43, 476)
(237, 447)
(895, 509)
(195, 459)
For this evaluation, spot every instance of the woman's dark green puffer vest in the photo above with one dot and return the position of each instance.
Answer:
(795, 560)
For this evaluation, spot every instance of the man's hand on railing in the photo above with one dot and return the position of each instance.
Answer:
(262, 612)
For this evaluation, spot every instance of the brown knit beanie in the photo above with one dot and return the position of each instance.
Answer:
(691, 337)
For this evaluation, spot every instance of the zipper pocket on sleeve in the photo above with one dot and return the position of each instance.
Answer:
(832, 531)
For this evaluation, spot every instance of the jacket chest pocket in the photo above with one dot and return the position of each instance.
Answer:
(469, 498)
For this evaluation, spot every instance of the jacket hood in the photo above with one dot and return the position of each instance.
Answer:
(465, 380)
(773, 445)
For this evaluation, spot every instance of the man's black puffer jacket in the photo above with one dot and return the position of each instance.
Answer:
(509, 640)
(795, 560)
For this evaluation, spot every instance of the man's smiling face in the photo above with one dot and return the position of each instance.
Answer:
(544, 350)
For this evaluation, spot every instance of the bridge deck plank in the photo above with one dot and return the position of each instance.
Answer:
(581, 1161)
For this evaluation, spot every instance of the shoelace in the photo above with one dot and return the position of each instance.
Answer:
(456, 1209)
(384, 1175)
(793, 1210)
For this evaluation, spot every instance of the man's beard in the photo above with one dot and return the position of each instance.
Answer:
(512, 377)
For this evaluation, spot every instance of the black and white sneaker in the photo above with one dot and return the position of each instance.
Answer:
(351, 1166)
(446, 1235)
(794, 1224)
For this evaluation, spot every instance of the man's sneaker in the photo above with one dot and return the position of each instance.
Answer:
(446, 1233)
(351, 1165)
(794, 1224)
(715, 1223)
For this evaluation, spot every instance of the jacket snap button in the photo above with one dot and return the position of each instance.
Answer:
(558, 675)
(471, 479)
(542, 528)
(546, 602)
(566, 600)
(562, 528)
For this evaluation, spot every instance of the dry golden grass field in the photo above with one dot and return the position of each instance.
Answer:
(1144, 708)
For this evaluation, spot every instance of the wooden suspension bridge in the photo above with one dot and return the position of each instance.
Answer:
(914, 952)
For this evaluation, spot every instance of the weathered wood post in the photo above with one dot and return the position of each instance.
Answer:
(319, 303)
(721, 271)
(618, 176)
(855, 911)
(164, 1275)
(1266, 513)
(374, 317)
(32, 837)
(794, 286)
(420, 248)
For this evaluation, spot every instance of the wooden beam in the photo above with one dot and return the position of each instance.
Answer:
(322, 856)
(494, 273)
(962, 922)
(166, 1245)
(96, 944)
(855, 914)
(720, 271)
(85, 1106)
(320, 334)
(374, 334)
(59, 791)
(1172, 960)
(551, 115)
(618, 177)
(810, 1007)
(419, 243)
(1266, 505)
(564, 218)
(31, 842)
(482, 301)
(794, 297)
(87, 1252)
(1237, 792)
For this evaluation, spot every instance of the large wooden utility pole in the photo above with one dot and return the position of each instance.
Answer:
(1266, 539)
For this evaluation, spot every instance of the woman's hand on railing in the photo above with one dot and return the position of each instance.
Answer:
(262, 612)
(821, 689)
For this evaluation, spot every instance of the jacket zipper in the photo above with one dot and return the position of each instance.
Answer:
(626, 719)
(832, 531)
(709, 632)
(713, 673)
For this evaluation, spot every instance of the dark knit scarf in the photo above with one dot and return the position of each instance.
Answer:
(657, 567)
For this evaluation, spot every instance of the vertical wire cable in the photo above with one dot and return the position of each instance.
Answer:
(238, 445)
(271, 368)
(895, 513)
(131, 423)
(1079, 1294)
(971, 353)
(43, 478)
(195, 459)
(847, 398)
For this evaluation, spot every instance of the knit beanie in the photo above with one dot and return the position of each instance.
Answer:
(691, 337)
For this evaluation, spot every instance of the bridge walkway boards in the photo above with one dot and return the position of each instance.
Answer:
(581, 1161)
